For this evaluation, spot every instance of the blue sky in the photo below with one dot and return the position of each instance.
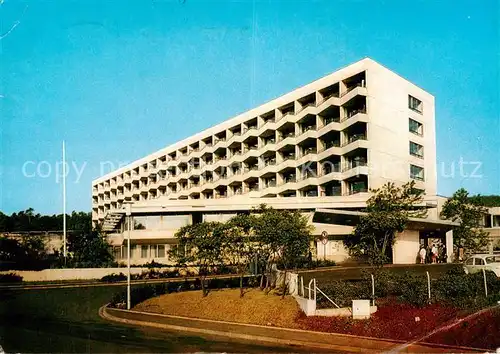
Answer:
(120, 79)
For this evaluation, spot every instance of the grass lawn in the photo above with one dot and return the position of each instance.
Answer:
(67, 320)
(226, 305)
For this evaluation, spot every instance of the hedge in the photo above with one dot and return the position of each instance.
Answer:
(10, 278)
(454, 288)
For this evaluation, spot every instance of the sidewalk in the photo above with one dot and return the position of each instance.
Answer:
(276, 335)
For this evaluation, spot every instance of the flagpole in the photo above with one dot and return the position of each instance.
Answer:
(64, 198)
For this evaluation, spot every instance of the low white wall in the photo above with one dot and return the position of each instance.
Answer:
(306, 305)
(71, 273)
(340, 312)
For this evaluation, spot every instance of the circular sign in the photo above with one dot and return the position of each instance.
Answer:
(324, 237)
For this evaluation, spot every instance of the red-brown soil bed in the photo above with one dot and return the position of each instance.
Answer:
(482, 331)
(391, 321)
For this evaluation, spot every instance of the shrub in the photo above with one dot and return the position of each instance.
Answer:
(10, 278)
(466, 290)
(343, 292)
(111, 278)
(412, 289)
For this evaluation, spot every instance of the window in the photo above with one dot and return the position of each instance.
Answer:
(415, 104)
(470, 261)
(479, 261)
(144, 251)
(161, 251)
(416, 172)
(154, 251)
(416, 149)
(415, 127)
(492, 259)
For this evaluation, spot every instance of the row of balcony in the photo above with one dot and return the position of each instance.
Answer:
(217, 141)
(193, 168)
(268, 182)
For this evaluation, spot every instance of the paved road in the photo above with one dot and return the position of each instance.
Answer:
(67, 320)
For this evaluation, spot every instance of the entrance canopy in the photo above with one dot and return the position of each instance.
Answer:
(351, 218)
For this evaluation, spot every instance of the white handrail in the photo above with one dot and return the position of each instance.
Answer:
(327, 297)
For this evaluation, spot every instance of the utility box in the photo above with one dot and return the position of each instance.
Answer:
(361, 309)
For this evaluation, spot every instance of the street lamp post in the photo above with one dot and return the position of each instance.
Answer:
(128, 215)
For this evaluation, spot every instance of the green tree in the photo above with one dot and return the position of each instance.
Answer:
(239, 247)
(388, 211)
(485, 200)
(88, 250)
(28, 253)
(200, 245)
(283, 236)
(11, 250)
(469, 234)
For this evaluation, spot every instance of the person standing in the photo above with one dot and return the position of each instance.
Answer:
(423, 254)
(434, 253)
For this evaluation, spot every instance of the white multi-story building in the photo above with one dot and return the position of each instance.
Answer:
(319, 148)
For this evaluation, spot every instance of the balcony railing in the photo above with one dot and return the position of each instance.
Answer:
(357, 190)
(330, 120)
(331, 168)
(353, 164)
(284, 136)
(308, 128)
(332, 192)
(308, 151)
(270, 184)
(350, 88)
(354, 138)
(310, 104)
(352, 113)
(270, 162)
(327, 97)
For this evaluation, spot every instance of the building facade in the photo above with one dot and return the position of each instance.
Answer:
(319, 147)
(491, 225)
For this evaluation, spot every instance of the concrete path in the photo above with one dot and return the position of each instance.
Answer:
(275, 335)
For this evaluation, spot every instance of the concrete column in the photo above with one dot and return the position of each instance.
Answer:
(260, 122)
(449, 246)
(296, 106)
(319, 97)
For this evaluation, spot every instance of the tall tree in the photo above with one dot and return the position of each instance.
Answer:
(88, 250)
(463, 210)
(200, 245)
(239, 246)
(388, 210)
(284, 237)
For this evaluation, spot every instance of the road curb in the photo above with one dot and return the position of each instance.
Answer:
(386, 345)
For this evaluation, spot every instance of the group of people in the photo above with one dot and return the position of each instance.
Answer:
(435, 253)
